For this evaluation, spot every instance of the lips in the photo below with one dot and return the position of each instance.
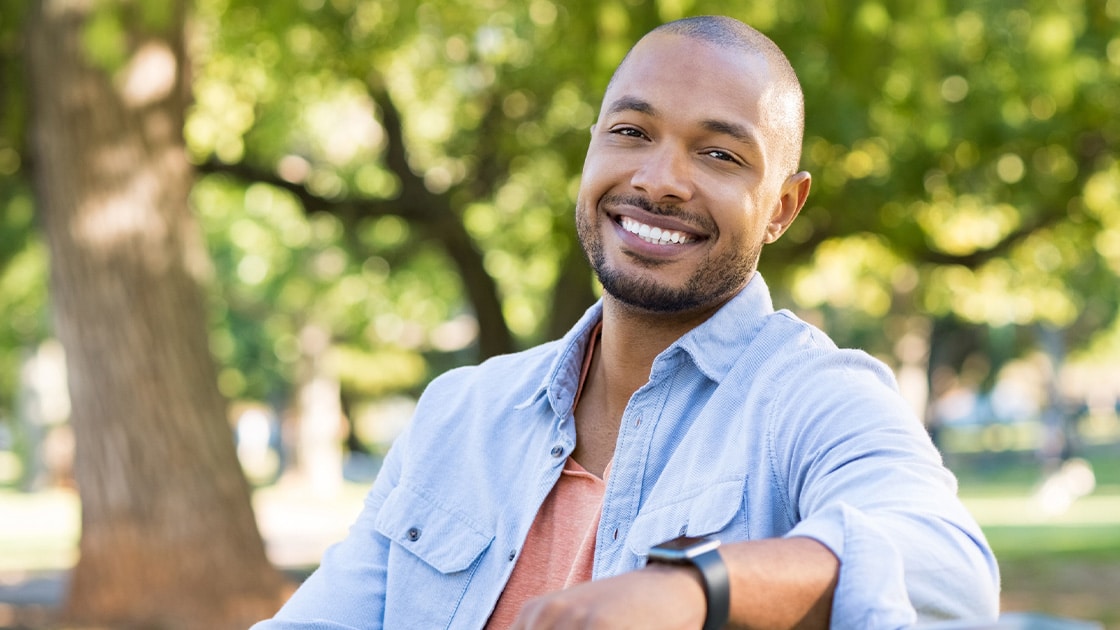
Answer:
(656, 224)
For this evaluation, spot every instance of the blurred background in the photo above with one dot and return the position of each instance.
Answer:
(237, 239)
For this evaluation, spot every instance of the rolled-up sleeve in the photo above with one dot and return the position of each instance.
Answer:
(864, 479)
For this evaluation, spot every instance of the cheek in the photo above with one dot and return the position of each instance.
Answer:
(601, 168)
(746, 219)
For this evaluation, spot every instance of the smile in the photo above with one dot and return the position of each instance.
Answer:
(654, 235)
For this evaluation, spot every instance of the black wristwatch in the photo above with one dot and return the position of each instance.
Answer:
(702, 553)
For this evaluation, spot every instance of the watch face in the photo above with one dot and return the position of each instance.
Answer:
(682, 548)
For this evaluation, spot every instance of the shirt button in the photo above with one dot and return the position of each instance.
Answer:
(557, 450)
(512, 554)
(637, 422)
(413, 534)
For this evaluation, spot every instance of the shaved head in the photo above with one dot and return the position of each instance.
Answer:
(785, 115)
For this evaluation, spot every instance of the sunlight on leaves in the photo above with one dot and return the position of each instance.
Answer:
(1052, 35)
(965, 224)
(376, 373)
(851, 273)
(105, 39)
(999, 293)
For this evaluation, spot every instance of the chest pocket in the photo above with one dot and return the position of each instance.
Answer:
(434, 554)
(712, 510)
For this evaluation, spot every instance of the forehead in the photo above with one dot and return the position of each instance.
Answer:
(692, 77)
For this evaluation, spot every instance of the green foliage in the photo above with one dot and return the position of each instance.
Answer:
(108, 37)
(968, 138)
(13, 108)
(23, 265)
(105, 38)
(23, 295)
(282, 270)
(487, 126)
(961, 155)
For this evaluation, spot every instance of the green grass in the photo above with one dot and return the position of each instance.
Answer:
(1076, 542)
(1061, 562)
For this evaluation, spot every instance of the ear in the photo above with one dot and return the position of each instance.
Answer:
(795, 191)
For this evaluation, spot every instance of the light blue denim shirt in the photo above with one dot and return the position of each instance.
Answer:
(753, 425)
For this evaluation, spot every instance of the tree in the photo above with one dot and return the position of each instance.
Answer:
(168, 534)
(380, 169)
(959, 155)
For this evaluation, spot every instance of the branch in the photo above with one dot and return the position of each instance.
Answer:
(422, 208)
(349, 209)
(981, 256)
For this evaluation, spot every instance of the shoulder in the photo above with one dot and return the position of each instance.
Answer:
(465, 410)
(800, 348)
(498, 384)
(808, 380)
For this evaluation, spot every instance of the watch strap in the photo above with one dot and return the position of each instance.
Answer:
(717, 588)
(709, 564)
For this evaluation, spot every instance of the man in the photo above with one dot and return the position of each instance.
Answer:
(529, 492)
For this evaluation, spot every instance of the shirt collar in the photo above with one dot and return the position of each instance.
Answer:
(715, 345)
(561, 380)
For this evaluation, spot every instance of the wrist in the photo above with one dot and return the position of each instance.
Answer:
(704, 567)
(685, 585)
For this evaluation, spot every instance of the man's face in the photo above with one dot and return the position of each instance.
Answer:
(681, 184)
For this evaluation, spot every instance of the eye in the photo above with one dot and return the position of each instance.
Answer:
(628, 132)
(724, 156)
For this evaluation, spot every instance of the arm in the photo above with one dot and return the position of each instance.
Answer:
(798, 573)
(880, 540)
(864, 480)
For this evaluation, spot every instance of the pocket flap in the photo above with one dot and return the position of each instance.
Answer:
(442, 538)
(701, 512)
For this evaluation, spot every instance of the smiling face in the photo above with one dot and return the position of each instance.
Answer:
(684, 180)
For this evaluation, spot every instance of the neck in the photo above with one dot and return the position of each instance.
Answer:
(631, 341)
(621, 364)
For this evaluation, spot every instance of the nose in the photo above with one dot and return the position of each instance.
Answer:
(664, 174)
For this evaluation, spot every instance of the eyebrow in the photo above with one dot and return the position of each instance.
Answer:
(632, 104)
(736, 131)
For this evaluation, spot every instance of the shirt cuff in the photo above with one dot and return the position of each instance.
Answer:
(871, 589)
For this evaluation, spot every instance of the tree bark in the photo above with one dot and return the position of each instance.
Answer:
(573, 293)
(168, 534)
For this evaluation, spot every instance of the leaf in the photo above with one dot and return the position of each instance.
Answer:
(105, 38)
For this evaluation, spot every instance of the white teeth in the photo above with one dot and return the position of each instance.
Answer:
(654, 235)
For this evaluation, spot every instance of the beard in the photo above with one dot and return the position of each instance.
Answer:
(713, 282)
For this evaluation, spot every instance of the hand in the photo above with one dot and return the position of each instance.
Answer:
(657, 597)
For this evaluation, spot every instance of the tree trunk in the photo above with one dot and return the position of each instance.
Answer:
(573, 293)
(168, 535)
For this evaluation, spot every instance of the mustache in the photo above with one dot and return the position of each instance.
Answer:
(662, 209)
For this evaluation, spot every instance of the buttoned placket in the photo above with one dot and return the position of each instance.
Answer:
(624, 487)
(621, 499)
(551, 459)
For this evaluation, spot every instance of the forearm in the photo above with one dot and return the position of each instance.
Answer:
(780, 583)
(775, 583)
